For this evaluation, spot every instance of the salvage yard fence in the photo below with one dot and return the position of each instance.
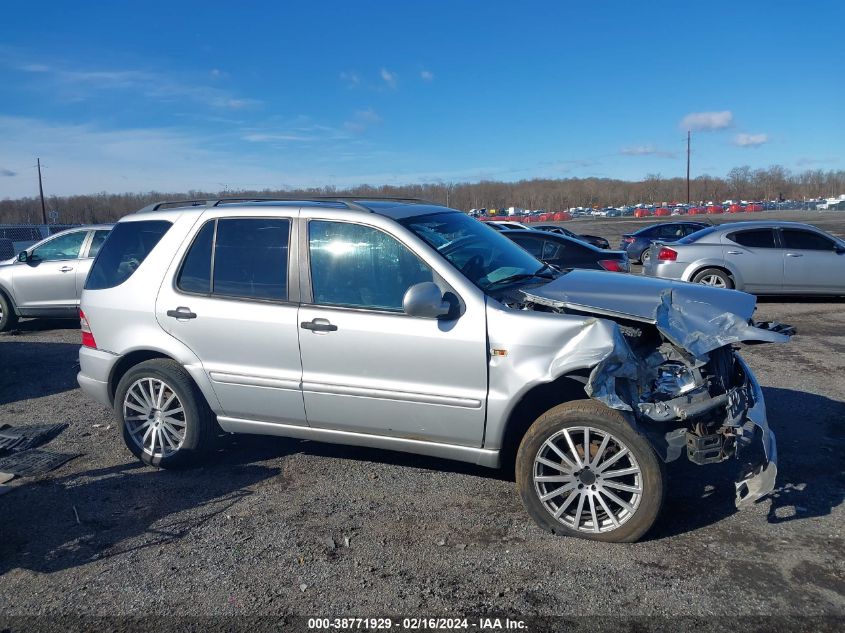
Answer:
(16, 237)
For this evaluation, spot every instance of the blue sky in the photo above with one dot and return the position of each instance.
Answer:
(174, 96)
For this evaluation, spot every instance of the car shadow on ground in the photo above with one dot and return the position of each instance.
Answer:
(799, 299)
(34, 370)
(61, 523)
(43, 325)
(810, 481)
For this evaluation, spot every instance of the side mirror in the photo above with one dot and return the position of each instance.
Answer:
(425, 300)
(839, 249)
(23, 256)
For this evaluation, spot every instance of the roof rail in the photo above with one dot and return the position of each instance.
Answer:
(351, 202)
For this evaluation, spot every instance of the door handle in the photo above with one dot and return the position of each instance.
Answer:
(794, 255)
(66, 269)
(734, 252)
(182, 313)
(318, 325)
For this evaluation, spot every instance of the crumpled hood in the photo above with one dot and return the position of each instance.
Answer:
(695, 317)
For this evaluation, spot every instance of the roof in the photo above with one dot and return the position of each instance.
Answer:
(396, 208)
(762, 224)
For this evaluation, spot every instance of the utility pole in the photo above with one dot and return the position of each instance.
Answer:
(688, 143)
(41, 193)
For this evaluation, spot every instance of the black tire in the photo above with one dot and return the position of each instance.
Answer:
(603, 422)
(8, 318)
(713, 273)
(200, 426)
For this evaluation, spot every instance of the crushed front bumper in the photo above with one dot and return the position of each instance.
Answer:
(761, 480)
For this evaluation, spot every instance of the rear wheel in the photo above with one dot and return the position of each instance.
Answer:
(8, 318)
(163, 416)
(581, 470)
(713, 277)
(645, 256)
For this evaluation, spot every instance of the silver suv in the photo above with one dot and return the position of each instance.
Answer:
(403, 325)
(46, 279)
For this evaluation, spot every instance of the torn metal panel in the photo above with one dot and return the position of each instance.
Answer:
(694, 317)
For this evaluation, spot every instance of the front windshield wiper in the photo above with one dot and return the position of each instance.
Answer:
(545, 268)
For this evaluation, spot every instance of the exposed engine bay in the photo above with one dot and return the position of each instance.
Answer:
(673, 369)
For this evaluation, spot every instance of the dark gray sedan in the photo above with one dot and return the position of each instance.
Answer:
(758, 257)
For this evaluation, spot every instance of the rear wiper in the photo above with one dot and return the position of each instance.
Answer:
(519, 276)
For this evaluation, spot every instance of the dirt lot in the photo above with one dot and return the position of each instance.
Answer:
(275, 526)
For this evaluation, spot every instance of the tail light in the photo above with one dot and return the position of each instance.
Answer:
(613, 265)
(667, 255)
(87, 334)
(629, 240)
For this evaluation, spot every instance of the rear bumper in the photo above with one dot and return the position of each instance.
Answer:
(666, 270)
(95, 368)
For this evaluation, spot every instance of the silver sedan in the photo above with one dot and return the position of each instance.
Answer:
(758, 257)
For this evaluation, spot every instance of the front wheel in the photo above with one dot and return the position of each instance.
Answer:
(582, 471)
(164, 418)
(645, 256)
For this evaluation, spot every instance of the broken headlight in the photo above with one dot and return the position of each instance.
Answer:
(674, 379)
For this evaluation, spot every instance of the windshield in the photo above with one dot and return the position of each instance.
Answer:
(482, 254)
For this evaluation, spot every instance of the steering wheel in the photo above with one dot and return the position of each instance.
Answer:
(474, 265)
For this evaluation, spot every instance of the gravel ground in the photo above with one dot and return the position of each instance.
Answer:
(282, 527)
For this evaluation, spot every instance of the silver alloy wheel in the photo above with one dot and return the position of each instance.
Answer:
(154, 417)
(574, 480)
(713, 280)
(646, 255)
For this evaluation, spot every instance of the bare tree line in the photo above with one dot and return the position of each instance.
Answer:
(552, 195)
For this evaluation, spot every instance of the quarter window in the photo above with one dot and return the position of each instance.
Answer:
(756, 238)
(805, 240)
(126, 249)
(63, 247)
(248, 258)
(359, 266)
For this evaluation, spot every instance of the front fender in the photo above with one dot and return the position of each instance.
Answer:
(529, 349)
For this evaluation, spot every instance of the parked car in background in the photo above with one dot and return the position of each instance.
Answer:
(502, 225)
(595, 240)
(758, 257)
(297, 319)
(638, 243)
(563, 251)
(46, 280)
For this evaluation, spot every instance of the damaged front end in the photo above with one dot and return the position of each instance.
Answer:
(674, 370)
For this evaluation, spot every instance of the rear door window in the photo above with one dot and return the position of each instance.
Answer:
(754, 238)
(125, 249)
(245, 258)
(797, 239)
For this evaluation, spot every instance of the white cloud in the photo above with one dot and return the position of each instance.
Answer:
(277, 138)
(362, 120)
(350, 78)
(750, 140)
(390, 78)
(707, 120)
(646, 150)
(80, 84)
(812, 160)
(427, 75)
